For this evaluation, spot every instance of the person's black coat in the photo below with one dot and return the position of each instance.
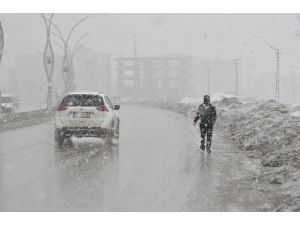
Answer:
(206, 112)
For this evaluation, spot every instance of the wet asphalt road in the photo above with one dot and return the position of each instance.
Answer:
(157, 166)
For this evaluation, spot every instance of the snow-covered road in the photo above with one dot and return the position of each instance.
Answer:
(157, 166)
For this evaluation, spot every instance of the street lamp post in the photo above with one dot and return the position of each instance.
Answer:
(67, 66)
(48, 63)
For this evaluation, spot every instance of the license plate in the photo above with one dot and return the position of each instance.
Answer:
(81, 115)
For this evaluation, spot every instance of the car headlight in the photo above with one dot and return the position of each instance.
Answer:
(7, 106)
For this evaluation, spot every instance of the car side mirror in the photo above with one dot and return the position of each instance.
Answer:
(116, 107)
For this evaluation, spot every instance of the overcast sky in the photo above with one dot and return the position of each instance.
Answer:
(246, 36)
(207, 35)
(221, 34)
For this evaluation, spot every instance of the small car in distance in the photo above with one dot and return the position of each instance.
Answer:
(116, 100)
(9, 103)
(86, 114)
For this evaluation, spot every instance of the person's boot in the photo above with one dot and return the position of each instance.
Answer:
(202, 147)
(208, 150)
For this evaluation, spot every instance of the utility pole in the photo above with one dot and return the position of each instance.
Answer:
(208, 76)
(277, 73)
(177, 78)
(236, 77)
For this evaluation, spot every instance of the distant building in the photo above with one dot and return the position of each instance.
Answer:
(153, 77)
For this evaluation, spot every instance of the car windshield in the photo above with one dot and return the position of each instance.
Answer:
(6, 99)
(82, 100)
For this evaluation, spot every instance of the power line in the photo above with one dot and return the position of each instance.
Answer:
(255, 59)
(277, 73)
(235, 61)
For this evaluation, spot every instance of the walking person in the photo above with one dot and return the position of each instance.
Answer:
(207, 115)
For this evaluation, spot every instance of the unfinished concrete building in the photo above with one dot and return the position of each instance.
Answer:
(155, 78)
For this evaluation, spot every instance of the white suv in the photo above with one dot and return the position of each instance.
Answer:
(86, 114)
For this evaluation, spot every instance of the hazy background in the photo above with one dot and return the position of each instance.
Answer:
(212, 40)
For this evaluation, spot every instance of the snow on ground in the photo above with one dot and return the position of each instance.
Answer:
(267, 129)
(220, 96)
(271, 131)
(214, 98)
(191, 101)
(295, 114)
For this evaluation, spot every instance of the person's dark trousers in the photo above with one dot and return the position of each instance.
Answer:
(206, 129)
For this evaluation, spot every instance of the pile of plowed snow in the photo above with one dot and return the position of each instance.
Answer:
(213, 98)
(259, 124)
(271, 129)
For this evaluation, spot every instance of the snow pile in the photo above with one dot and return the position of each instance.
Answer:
(191, 101)
(295, 114)
(256, 125)
(220, 96)
(215, 98)
(187, 100)
(295, 105)
(271, 129)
